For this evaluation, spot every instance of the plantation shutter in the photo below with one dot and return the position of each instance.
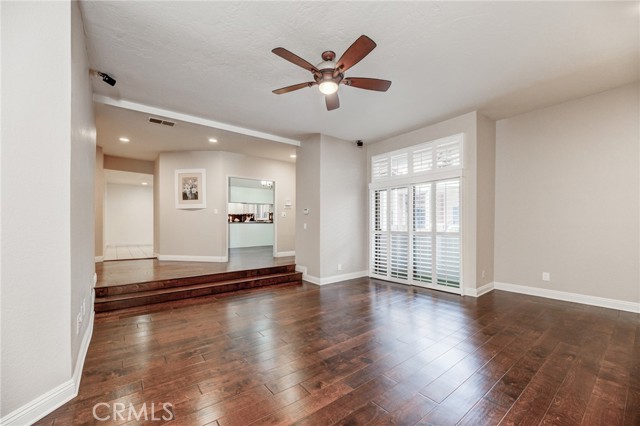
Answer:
(380, 168)
(447, 202)
(448, 154)
(422, 234)
(423, 160)
(380, 237)
(400, 164)
(416, 215)
(399, 254)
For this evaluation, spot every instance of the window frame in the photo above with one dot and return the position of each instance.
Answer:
(434, 173)
(389, 182)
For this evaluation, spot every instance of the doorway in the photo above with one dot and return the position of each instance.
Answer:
(128, 215)
(250, 215)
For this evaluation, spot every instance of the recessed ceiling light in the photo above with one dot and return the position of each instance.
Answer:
(145, 183)
(213, 140)
(124, 140)
(293, 156)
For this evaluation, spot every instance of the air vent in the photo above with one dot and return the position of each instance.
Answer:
(160, 121)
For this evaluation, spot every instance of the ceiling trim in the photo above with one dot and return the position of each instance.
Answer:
(121, 103)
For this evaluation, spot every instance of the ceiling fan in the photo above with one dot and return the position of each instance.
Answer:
(329, 73)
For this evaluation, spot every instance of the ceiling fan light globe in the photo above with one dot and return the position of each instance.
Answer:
(328, 87)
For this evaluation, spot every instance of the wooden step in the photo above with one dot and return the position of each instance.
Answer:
(186, 281)
(179, 291)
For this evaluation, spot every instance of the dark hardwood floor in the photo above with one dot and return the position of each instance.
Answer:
(362, 352)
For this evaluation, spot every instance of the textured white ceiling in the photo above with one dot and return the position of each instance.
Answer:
(214, 60)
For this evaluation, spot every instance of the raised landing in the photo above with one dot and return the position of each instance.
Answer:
(132, 283)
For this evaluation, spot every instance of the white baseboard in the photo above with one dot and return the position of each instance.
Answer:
(182, 258)
(36, 409)
(285, 254)
(329, 280)
(335, 278)
(570, 297)
(99, 259)
(311, 279)
(306, 276)
(84, 346)
(477, 292)
(127, 244)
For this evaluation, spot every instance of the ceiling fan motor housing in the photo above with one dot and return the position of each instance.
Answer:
(327, 69)
(328, 75)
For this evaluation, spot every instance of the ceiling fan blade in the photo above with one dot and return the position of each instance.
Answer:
(294, 87)
(354, 54)
(332, 101)
(368, 83)
(295, 59)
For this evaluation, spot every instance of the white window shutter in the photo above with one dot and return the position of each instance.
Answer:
(380, 168)
(399, 256)
(422, 160)
(400, 165)
(448, 154)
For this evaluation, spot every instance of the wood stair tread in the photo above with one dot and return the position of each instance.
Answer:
(134, 287)
(295, 276)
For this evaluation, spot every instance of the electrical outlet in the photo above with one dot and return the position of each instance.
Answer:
(484, 274)
(78, 323)
(284, 214)
(339, 266)
(304, 226)
(546, 276)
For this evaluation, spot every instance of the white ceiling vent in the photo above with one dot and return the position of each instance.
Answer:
(161, 121)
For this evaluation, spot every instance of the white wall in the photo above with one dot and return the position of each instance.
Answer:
(83, 155)
(98, 189)
(331, 182)
(308, 197)
(35, 178)
(199, 232)
(343, 206)
(128, 214)
(485, 211)
(567, 197)
(156, 208)
(202, 233)
(46, 135)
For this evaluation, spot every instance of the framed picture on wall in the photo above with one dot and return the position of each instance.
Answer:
(190, 189)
